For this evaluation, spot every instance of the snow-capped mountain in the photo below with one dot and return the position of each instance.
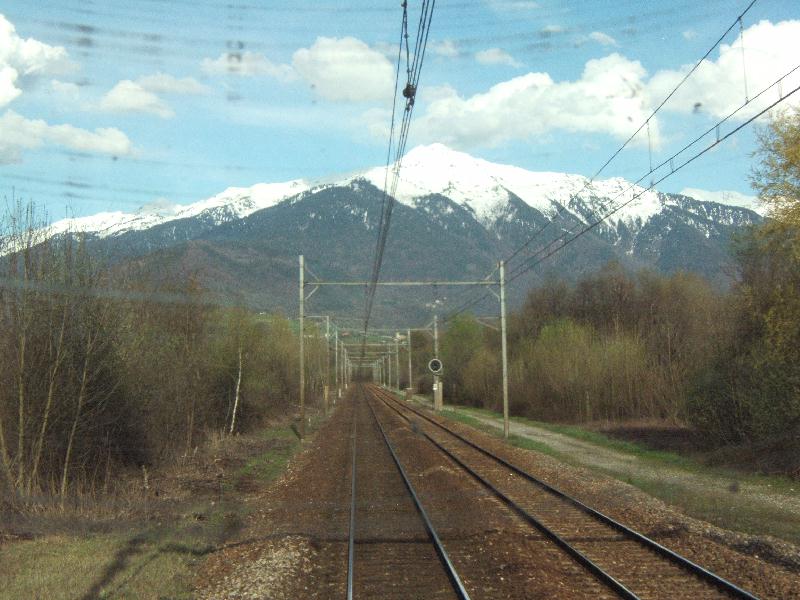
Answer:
(233, 203)
(478, 185)
(456, 216)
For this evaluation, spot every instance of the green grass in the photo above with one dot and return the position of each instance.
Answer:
(154, 561)
(775, 483)
(725, 509)
(272, 463)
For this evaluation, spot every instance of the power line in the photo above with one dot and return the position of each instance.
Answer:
(413, 71)
(546, 252)
(645, 124)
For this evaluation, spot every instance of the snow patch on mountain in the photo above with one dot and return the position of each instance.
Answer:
(233, 203)
(483, 187)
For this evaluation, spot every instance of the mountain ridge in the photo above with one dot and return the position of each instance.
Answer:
(456, 216)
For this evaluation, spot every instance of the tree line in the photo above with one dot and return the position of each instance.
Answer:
(104, 369)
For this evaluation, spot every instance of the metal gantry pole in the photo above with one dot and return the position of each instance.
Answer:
(302, 298)
(437, 381)
(327, 389)
(397, 361)
(410, 382)
(504, 345)
(336, 364)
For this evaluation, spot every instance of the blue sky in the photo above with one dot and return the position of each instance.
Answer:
(110, 105)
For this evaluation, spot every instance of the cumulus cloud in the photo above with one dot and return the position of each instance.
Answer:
(162, 83)
(496, 56)
(247, 64)
(18, 134)
(550, 30)
(607, 99)
(446, 48)
(141, 96)
(603, 38)
(345, 70)
(25, 58)
(130, 97)
(68, 90)
(336, 69)
(614, 95)
(717, 87)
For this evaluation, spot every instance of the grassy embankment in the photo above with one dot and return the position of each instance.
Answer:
(146, 558)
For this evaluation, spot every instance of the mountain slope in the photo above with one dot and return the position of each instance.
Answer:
(456, 216)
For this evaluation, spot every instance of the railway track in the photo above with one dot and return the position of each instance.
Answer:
(628, 563)
(393, 549)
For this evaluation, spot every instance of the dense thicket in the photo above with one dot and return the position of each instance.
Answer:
(612, 346)
(95, 376)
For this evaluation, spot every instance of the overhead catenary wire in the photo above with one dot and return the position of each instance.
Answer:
(413, 71)
(548, 250)
(645, 124)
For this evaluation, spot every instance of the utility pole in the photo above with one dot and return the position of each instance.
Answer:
(397, 360)
(438, 400)
(504, 345)
(336, 364)
(410, 382)
(302, 299)
(327, 388)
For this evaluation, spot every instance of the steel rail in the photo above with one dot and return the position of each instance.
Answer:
(452, 575)
(682, 561)
(604, 577)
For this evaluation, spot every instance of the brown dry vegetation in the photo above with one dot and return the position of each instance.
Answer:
(101, 377)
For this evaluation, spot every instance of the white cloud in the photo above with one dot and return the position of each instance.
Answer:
(717, 87)
(336, 69)
(549, 30)
(25, 58)
(603, 38)
(130, 97)
(496, 56)
(8, 89)
(345, 69)
(162, 83)
(141, 96)
(18, 134)
(446, 48)
(728, 197)
(614, 94)
(67, 90)
(689, 34)
(608, 98)
(247, 64)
